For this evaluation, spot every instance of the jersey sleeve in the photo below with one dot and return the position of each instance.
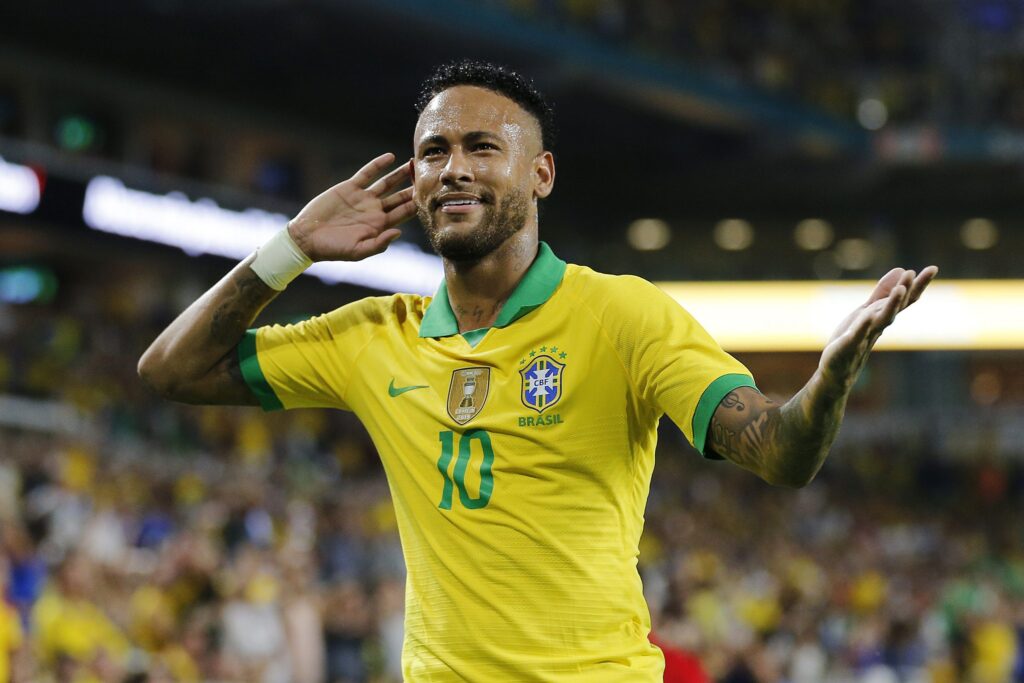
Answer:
(676, 366)
(309, 364)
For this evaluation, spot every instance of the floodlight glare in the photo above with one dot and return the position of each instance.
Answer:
(979, 234)
(648, 234)
(813, 234)
(19, 188)
(733, 234)
(800, 316)
(202, 227)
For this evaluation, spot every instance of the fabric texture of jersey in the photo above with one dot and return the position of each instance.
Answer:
(519, 465)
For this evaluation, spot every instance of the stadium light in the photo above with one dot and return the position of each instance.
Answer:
(872, 113)
(733, 234)
(648, 234)
(19, 188)
(77, 133)
(813, 234)
(800, 316)
(202, 227)
(979, 234)
(27, 284)
(855, 253)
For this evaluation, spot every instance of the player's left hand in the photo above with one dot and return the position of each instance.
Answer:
(848, 348)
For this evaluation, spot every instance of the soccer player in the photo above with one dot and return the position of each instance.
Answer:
(515, 412)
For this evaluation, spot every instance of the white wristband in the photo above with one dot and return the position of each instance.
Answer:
(280, 261)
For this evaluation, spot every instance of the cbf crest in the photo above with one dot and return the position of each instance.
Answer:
(542, 382)
(468, 393)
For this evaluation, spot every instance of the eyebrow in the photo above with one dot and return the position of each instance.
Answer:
(471, 136)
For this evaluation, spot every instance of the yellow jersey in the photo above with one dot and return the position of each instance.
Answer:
(11, 636)
(74, 627)
(519, 459)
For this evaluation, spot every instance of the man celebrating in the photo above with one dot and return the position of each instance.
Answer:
(515, 412)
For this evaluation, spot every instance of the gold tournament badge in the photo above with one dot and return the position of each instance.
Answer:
(468, 393)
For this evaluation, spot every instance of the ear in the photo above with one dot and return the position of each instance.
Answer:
(544, 174)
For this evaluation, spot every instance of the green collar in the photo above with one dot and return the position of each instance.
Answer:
(536, 287)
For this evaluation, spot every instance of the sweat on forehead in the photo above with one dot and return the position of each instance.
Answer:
(461, 109)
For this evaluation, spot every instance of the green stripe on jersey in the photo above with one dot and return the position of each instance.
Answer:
(708, 403)
(253, 375)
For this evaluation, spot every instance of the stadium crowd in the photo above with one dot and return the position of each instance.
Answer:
(829, 53)
(157, 542)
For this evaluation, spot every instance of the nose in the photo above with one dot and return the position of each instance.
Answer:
(457, 170)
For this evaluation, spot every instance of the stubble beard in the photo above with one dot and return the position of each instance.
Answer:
(497, 224)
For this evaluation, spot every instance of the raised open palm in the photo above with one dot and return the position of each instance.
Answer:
(851, 343)
(357, 217)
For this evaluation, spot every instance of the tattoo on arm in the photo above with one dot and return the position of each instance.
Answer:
(230, 319)
(194, 359)
(227, 325)
(732, 400)
(743, 437)
(781, 443)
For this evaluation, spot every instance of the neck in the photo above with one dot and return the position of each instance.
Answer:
(478, 289)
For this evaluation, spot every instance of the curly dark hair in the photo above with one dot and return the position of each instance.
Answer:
(497, 78)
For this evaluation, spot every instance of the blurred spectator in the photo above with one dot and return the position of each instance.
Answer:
(11, 634)
(347, 628)
(680, 666)
(72, 630)
(303, 619)
(254, 635)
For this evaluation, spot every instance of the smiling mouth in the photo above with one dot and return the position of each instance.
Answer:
(458, 205)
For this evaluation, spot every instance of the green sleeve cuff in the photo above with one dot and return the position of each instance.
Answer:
(253, 375)
(708, 403)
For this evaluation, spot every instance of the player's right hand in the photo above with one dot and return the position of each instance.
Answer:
(357, 217)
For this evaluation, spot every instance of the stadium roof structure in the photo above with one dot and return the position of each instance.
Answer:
(374, 52)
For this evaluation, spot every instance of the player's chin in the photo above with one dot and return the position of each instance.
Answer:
(458, 224)
(455, 236)
(459, 245)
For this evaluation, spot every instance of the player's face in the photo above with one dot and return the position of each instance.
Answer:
(479, 169)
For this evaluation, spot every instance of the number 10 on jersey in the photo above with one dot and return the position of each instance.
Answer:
(450, 442)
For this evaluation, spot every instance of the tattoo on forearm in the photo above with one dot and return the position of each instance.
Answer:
(723, 439)
(784, 443)
(231, 318)
(750, 446)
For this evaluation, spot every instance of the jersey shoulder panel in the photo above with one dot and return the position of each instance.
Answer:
(623, 300)
(673, 363)
(613, 289)
(621, 308)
